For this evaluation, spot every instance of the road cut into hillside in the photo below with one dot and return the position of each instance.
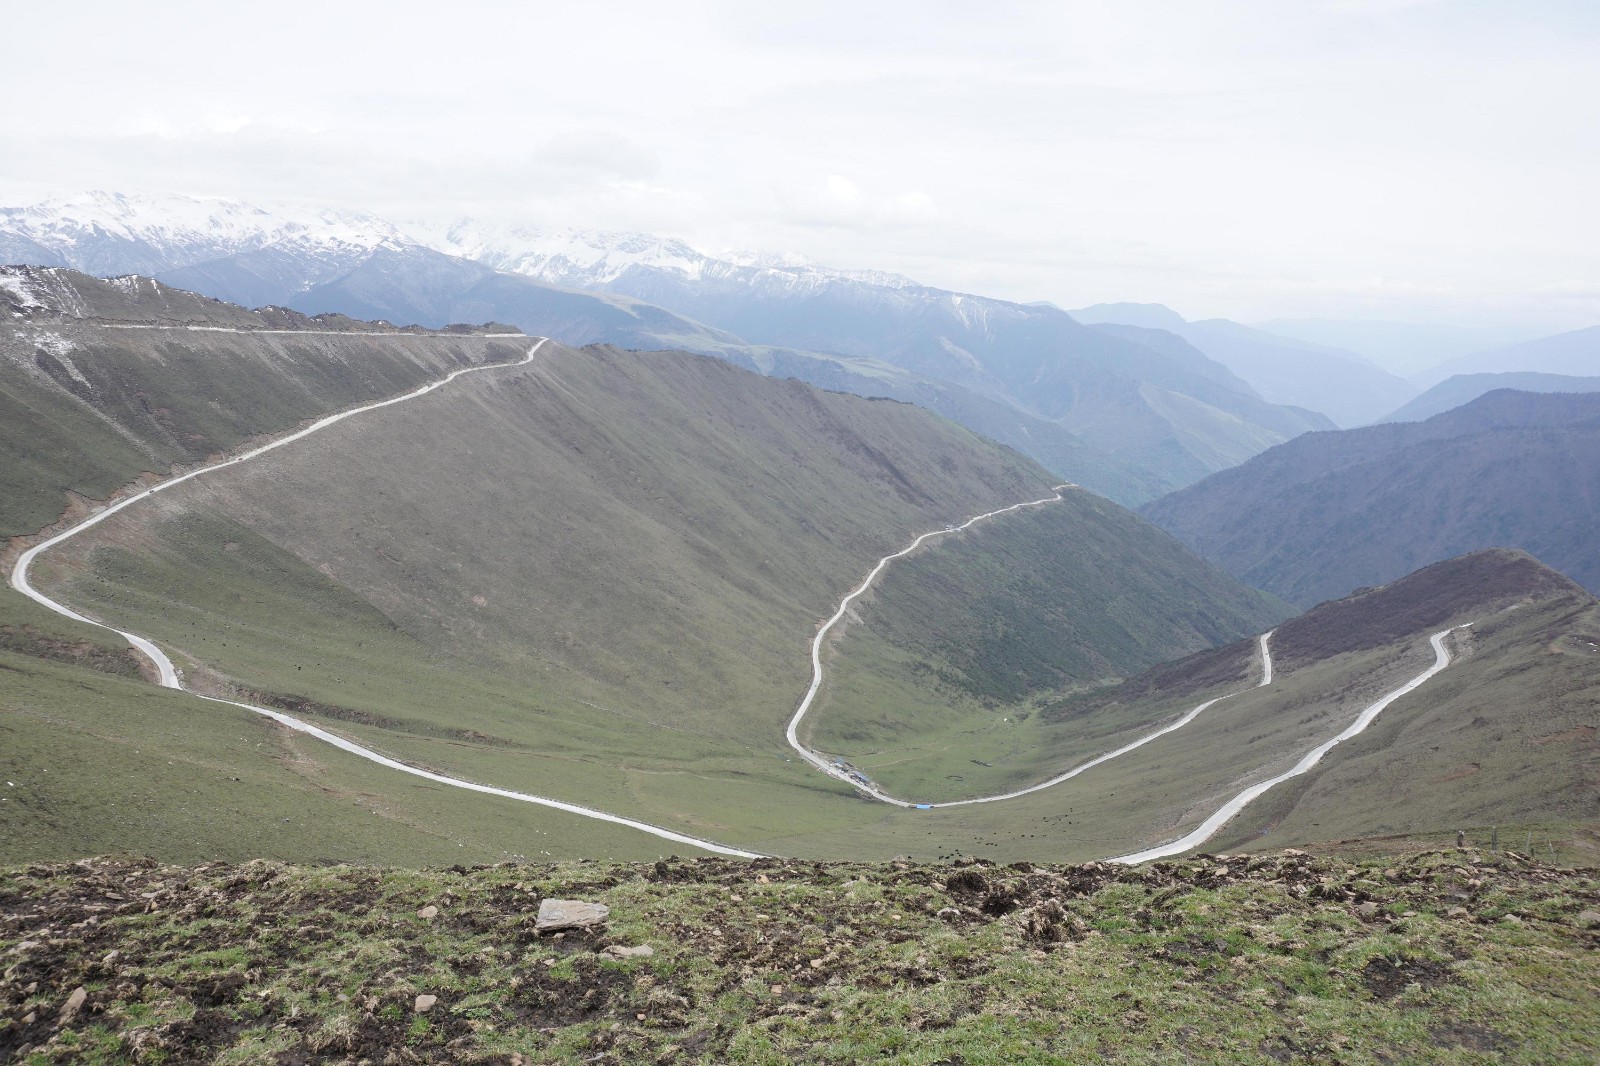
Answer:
(1226, 813)
(858, 782)
(169, 676)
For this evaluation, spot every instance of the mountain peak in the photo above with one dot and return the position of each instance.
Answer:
(108, 233)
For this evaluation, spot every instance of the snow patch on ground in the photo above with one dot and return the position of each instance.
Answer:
(17, 288)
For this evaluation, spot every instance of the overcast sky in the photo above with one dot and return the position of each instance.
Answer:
(1372, 158)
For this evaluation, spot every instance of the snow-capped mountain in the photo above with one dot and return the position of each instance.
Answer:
(594, 259)
(113, 233)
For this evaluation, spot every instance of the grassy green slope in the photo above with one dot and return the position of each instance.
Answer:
(623, 621)
(594, 577)
(940, 704)
(1504, 736)
(95, 759)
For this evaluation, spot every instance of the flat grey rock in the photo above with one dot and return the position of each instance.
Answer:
(558, 914)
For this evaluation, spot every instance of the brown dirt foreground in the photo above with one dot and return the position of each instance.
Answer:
(1444, 956)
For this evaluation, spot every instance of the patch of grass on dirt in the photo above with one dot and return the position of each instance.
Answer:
(1439, 957)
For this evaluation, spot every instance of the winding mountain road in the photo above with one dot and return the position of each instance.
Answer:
(865, 787)
(170, 678)
(1227, 811)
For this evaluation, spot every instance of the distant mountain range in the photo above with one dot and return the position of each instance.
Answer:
(1126, 418)
(1576, 353)
(1410, 349)
(1346, 387)
(1464, 388)
(1324, 514)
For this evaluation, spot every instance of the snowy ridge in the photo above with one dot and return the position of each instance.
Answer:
(112, 233)
(106, 233)
(587, 258)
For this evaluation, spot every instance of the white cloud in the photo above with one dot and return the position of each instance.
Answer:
(1241, 157)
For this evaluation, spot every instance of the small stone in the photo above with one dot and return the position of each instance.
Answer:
(428, 913)
(777, 990)
(343, 997)
(619, 951)
(1293, 853)
(30, 1017)
(1458, 912)
(1511, 919)
(517, 1059)
(74, 1004)
(1367, 910)
(569, 914)
(424, 1003)
(816, 964)
(640, 1017)
(737, 898)
(763, 879)
(1589, 918)
(33, 986)
(547, 962)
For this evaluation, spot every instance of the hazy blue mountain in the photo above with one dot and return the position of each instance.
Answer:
(1175, 415)
(1327, 513)
(1464, 388)
(1404, 348)
(1576, 353)
(1342, 385)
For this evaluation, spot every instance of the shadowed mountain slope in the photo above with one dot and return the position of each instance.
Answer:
(1313, 519)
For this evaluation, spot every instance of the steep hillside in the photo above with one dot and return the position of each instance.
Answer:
(1503, 737)
(1167, 418)
(593, 576)
(1173, 414)
(1499, 737)
(917, 695)
(1436, 957)
(1464, 388)
(1330, 512)
(1339, 384)
(90, 399)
